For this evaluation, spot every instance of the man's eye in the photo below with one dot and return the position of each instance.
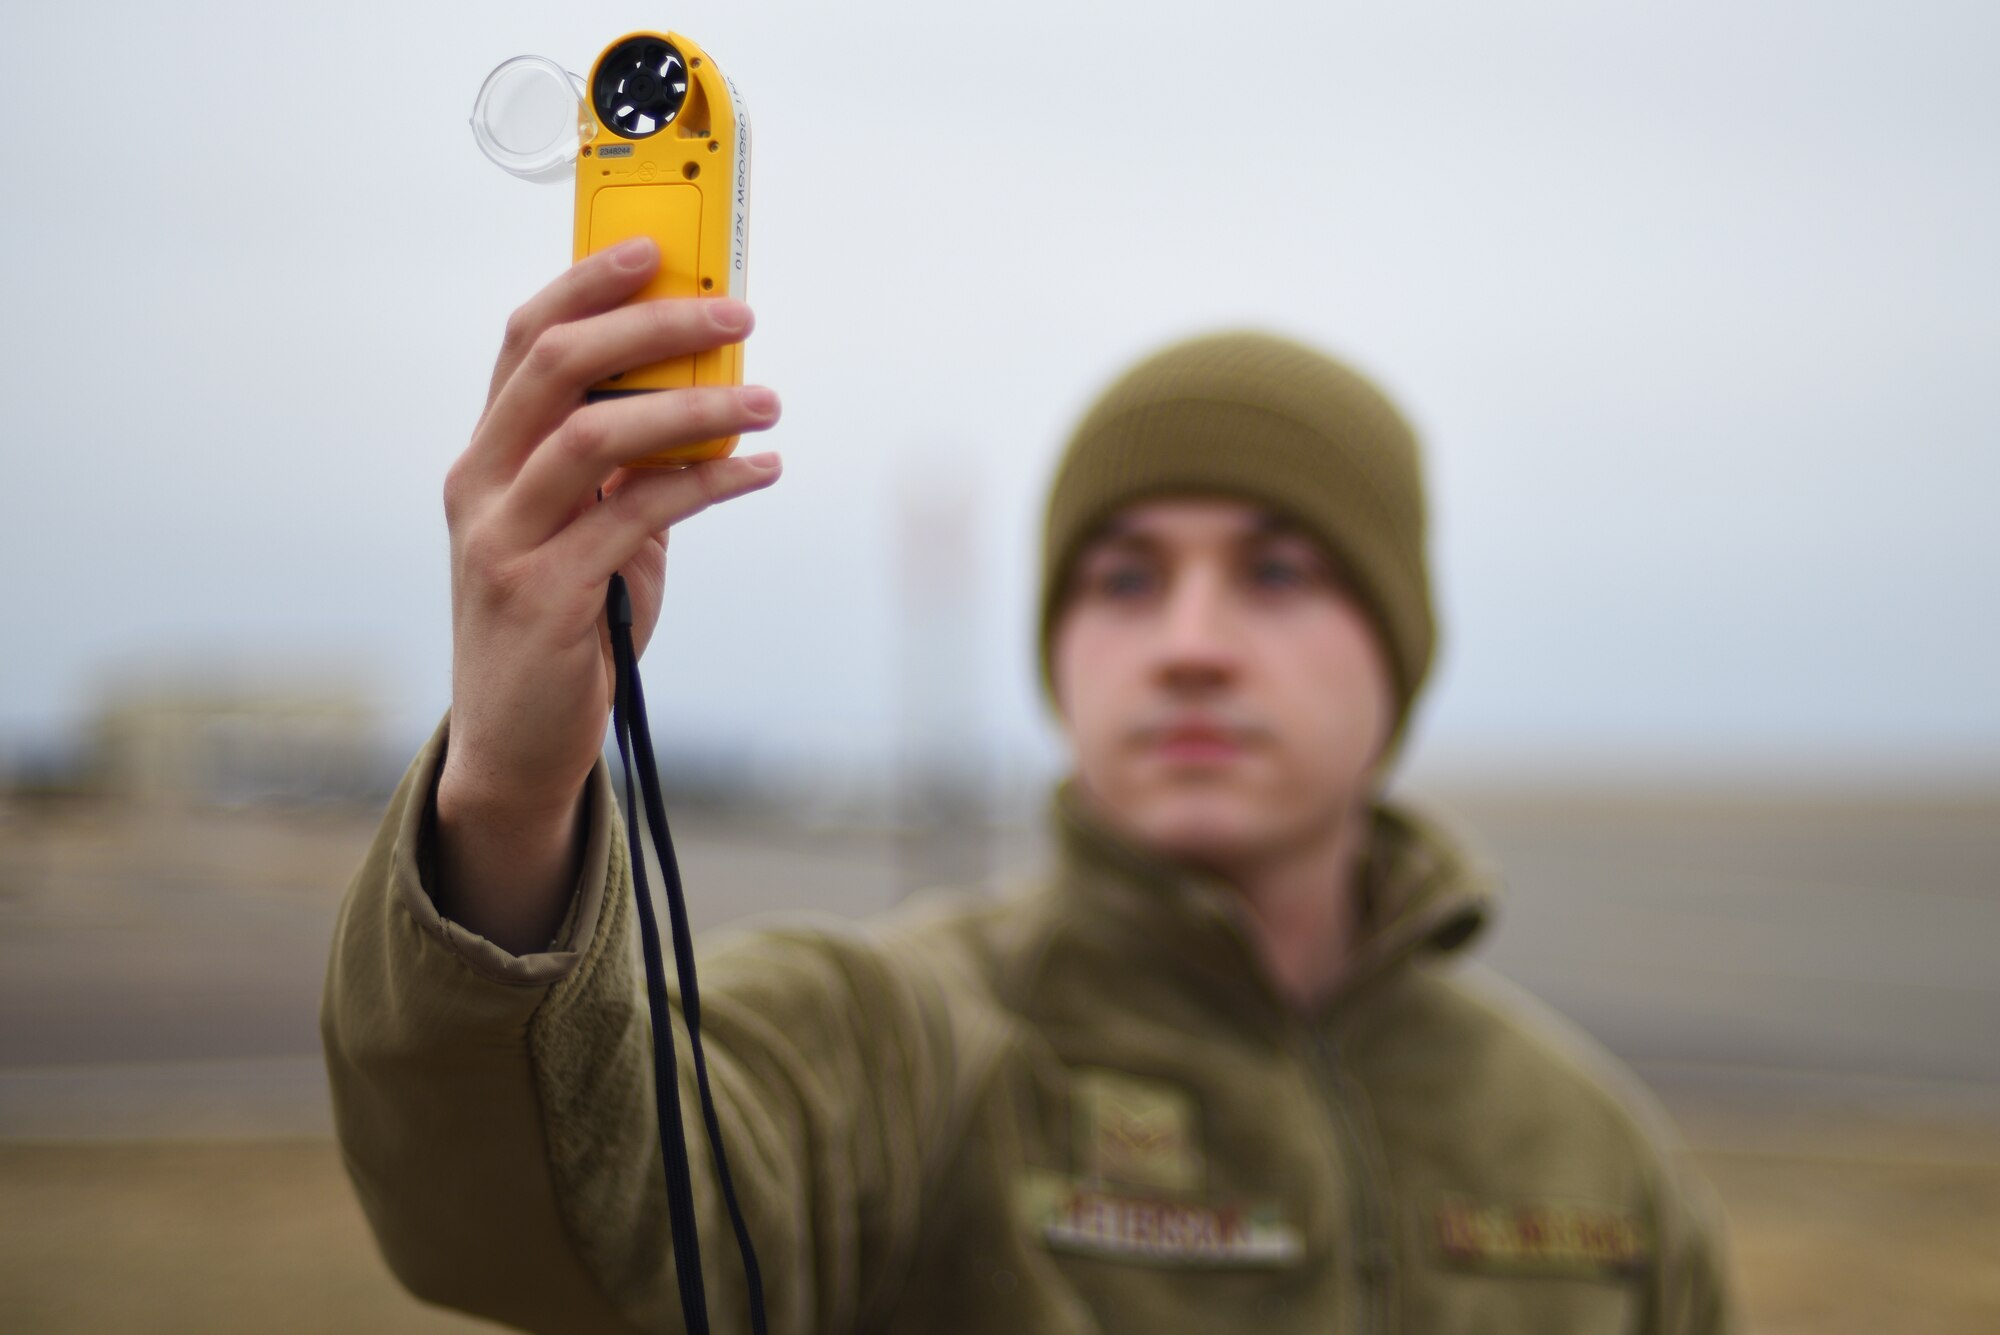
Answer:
(1122, 581)
(1271, 572)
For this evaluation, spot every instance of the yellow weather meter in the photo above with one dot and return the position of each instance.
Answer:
(658, 145)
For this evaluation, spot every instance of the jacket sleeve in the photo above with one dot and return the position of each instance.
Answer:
(496, 1112)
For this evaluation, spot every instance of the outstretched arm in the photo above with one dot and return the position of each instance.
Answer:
(487, 1048)
(496, 1111)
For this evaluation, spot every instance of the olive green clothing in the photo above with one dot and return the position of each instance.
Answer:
(1077, 1108)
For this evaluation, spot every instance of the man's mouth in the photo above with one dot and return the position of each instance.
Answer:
(1194, 741)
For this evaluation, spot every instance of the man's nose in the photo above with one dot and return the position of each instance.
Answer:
(1198, 645)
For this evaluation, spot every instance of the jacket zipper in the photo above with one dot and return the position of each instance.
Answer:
(1375, 1258)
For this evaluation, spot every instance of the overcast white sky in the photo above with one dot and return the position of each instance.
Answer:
(1697, 307)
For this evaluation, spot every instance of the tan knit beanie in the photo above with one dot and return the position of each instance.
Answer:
(1264, 419)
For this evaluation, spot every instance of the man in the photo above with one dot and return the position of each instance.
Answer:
(1219, 1072)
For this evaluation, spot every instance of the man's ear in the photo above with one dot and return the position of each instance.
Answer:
(1057, 625)
(1051, 682)
(1395, 726)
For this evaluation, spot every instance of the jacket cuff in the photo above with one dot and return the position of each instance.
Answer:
(413, 863)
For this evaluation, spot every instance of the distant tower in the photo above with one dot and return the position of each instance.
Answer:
(942, 752)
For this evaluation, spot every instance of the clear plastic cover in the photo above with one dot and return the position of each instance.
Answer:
(531, 117)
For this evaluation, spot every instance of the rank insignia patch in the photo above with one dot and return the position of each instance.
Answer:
(1135, 1132)
(1544, 1239)
(1075, 1216)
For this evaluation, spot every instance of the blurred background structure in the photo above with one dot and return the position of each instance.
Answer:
(222, 745)
(1694, 308)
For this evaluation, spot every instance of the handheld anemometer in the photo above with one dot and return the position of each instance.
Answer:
(657, 144)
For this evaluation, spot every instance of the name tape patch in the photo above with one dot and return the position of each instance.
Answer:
(1081, 1216)
(1554, 1239)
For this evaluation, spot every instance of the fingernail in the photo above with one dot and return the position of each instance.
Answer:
(759, 401)
(633, 254)
(766, 461)
(731, 317)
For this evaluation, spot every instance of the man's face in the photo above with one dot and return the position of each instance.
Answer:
(1225, 696)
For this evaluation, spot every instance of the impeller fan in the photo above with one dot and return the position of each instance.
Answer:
(640, 87)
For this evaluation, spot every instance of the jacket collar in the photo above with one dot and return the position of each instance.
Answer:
(1425, 891)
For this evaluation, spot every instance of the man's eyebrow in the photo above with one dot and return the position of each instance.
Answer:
(1271, 524)
(1121, 533)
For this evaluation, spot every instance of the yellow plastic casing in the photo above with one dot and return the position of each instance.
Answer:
(688, 187)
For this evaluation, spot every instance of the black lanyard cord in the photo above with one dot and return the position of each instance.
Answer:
(635, 752)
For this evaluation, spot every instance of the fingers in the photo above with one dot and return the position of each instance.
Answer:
(595, 283)
(549, 383)
(599, 438)
(600, 542)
